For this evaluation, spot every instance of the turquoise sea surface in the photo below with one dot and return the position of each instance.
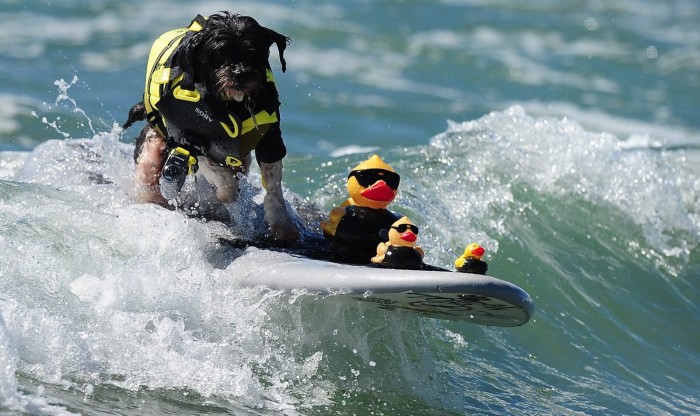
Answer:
(561, 135)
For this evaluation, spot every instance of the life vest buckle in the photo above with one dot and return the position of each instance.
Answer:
(233, 162)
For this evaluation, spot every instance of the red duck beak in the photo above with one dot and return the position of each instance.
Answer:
(409, 236)
(478, 251)
(380, 191)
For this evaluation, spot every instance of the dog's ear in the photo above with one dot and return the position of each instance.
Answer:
(281, 41)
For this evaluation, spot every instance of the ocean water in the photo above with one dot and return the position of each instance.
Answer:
(562, 135)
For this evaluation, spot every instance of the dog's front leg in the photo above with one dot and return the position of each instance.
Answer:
(281, 226)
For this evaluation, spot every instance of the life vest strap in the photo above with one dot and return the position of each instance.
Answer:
(197, 23)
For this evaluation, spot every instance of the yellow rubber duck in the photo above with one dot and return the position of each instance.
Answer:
(356, 224)
(372, 184)
(401, 250)
(470, 261)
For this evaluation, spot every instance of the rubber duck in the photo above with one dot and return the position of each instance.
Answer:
(357, 223)
(372, 184)
(400, 251)
(470, 261)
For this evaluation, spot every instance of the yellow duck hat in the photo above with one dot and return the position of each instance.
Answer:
(374, 162)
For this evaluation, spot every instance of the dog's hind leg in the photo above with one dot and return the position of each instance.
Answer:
(281, 226)
(150, 158)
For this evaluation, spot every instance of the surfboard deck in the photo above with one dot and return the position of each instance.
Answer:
(440, 294)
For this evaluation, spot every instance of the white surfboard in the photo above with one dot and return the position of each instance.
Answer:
(474, 298)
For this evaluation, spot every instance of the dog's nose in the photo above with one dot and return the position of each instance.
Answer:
(243, 78)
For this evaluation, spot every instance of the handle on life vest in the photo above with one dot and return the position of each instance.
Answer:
(192, 96)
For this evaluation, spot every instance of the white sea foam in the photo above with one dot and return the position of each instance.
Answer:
(11, 399)
(560, 157)
(135, 295)
(8, 366)
(127, 290)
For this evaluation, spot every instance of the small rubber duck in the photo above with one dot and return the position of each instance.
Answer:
(400, 251)
(470, 261)
(357, 223)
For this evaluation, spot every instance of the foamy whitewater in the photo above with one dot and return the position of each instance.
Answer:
(562, 137)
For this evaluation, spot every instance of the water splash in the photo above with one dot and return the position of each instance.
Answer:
(64, 99)
(63, 88)
(52, 124)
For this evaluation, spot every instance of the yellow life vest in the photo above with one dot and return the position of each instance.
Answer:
(172, 107)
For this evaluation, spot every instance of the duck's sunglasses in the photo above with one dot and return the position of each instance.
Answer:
(403, 227)
(369, 177)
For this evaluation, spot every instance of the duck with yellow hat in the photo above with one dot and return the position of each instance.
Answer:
(470, 261)
(400, 250)
(358, 225)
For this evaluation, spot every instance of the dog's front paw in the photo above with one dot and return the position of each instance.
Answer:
(284, 232)
(282, 229)
(145, 194)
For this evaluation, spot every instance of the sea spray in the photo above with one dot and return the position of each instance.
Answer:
(63, 88)
(64, 99)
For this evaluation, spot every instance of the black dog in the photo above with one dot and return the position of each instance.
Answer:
(210, 99)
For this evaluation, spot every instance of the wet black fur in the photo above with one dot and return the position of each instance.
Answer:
(230, 50)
